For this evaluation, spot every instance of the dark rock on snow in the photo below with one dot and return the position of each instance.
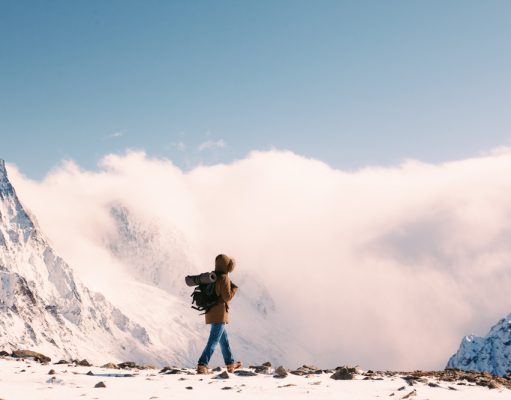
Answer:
(241, 372)
(110, 366)
(31, 354)
(223, 375)
(171, 371)
(127, 365)
(280, 372)
(344, 373)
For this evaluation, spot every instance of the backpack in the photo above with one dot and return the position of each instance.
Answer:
(204, 297)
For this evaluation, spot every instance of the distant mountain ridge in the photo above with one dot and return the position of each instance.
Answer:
(491, 353)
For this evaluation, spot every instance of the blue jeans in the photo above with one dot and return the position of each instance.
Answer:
(217, 334)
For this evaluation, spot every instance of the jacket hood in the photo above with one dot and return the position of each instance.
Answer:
(224, 263)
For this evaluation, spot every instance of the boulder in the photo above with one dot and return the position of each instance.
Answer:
(127, 365)
(241, 372)
(280, 372)
(344, 373)
(171, 371)
(110, 366)
(223, 375)
(100, 385)
(307, 370)
(31, 354)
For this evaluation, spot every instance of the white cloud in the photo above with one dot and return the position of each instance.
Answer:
(181, 146)
(115, 135)
(211, 145)
(382, 267)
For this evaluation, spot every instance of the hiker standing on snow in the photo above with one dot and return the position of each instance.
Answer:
(218, 317)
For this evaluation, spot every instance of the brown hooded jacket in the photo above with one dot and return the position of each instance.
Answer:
(224, 289)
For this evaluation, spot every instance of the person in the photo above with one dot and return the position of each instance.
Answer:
(218, 317)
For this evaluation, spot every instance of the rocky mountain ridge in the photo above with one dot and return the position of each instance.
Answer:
(491, 353)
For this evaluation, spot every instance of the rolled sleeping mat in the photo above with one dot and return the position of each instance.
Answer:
(204, 278)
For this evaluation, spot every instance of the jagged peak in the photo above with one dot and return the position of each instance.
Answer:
(3, 171)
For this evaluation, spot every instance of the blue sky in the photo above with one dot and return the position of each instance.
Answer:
(351, 83)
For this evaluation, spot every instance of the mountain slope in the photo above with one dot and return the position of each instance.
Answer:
(491, 353)
(147, 318)
(160, 257)
(44, 307)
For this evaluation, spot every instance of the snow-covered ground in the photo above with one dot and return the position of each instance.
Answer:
(25, 379)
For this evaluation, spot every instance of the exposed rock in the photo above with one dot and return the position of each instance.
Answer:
(216, 369)
(241, 372)
(280, 372)
(52, 372)
(31, 354)
(344, 373)
(412, 379)
(110, 366)
(3, 353)
(307, 370)
(171, 371)
(83, 363)
(223, 375)
(100, 385)
(61, 362)
(127, 365)
(90, 373)
(490, 353)
(189, 387)
(494, 385)
(262, 369)
(288, 385)
(454, 376)
(266, 364)
(411, 394)
(227, 388)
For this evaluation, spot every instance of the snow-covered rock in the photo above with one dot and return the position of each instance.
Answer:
(491, 353)
(44, 307)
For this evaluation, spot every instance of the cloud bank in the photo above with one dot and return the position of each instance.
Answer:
(385, 267)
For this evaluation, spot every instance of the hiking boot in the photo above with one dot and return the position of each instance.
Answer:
(233, 366)
(202, 369)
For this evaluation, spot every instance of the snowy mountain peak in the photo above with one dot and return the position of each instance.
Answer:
(44, 307)
(6, 189)
(491, 353)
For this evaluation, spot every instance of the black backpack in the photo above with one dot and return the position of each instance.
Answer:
(204, 297)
